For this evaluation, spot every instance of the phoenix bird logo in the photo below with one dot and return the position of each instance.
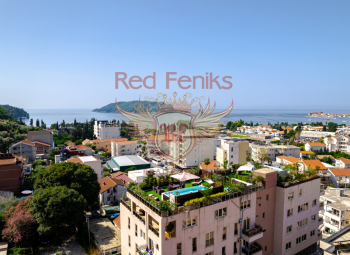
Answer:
(174, 128)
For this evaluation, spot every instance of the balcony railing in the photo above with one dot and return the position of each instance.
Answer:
(141, 249)
(139, 217)
(209, 242)
(155, 231)
(126, 203)
(254, 248)
(321, 204)
(320, 218)
(253, 232)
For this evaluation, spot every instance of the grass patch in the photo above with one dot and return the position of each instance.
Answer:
(245, 173)
(155, 194)
(239, 136)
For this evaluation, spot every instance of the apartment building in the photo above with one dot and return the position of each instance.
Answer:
(123, 148)
(297, 218)
(91, 161)
(103, 130)
(235, 151)
(342, 163)
(337, 243)
(24, 147)
(273, 151)
(315, 146)
(201, 150)
(111, 191)
(338, 142)
(44, 136)
(336, 212)
(104, 144)
(11, 173)
(340, 177)
(221, 228)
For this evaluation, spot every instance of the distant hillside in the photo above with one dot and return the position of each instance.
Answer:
(128, 106)
(15, 112)
(4, 115)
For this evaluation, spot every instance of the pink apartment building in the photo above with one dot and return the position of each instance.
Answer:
(244, 223)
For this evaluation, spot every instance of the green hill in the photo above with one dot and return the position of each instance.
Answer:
(128, 106)
(4, 115)
(15, 112)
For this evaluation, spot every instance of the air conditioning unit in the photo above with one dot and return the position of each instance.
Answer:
(240, 240)
(240, 221)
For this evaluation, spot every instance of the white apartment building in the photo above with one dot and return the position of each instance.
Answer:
(235, 151)
(273, 151)
(24, 147)
(297, 218)
(103, 130)
(314, 146)
(123, 148)
(336, 212)
(342, 163)
(111, 191)
(91, 161)
(340, 177)
(338, 142)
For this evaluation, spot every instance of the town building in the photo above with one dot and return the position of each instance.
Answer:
(24, 147)
(103, 129)
(306, 154)
(138, 176)
(342, 163)
(340, 177)
(287, 160)
(315, 135)
(111, 191)
(297, 218)
(91, 161)
(337, 243)
(335, 210)
(123, 148)
(235, 151)
(122, 163)
(338, 143)
(80, 150)
(212, 166)
(11, 173)
(104, 144)
(44, 136)
(273, 151)
(315, 146)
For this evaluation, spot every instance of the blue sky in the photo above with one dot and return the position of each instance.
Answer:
(280, 54)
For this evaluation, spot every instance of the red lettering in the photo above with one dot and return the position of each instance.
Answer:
(184, 79)
(135, 79)
(150, 77)
(168, 79)
(214, 80)
(121, 79)
(228, 82)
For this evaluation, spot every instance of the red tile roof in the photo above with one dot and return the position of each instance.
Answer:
(340, 171)
(314, 163)
(25, 142)
(317, 144)
(344, 160)
(107, 183)
(123, 178)
(42, 143)
(117, 221)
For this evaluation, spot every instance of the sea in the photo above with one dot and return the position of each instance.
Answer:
(261, 116)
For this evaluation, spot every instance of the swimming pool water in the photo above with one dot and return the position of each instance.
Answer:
(186, 190)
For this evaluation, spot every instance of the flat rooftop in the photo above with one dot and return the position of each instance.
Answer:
(88, 159)
(106, 234)
(129, 160)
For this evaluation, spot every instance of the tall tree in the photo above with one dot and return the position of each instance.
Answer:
(73, 175)
(31, 122)
(37, 123)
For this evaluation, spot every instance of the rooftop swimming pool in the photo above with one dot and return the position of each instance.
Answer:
(185, 191)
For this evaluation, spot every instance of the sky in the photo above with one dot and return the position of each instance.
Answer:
(280, 54)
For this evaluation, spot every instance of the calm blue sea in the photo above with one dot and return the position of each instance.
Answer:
(262, 116)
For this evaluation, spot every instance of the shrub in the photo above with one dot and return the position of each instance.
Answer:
(144, 186)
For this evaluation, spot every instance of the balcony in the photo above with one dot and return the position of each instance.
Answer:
(154, 230)
(126, 202)
(139, 217)
(141, 250)
(252, 235)
(254, 248)
(320, 219)
(321, 204)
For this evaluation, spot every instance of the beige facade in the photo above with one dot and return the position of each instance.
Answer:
(273, 151)
(123, 148)
(234, 151)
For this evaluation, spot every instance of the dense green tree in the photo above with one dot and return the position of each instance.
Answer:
(57, 209)
(38, 162)
(73, 175)
(31, 122)
(54, 151)
(37, 124)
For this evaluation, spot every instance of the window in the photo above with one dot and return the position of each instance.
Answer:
(209, 239)
(267, 197)
(263, 215)
(303, 207)
(135, 230)
(236, 228)
(142, 234)
(194, 244)
(223, 250)
(190, 222)
(312, 233)
(235, 248)
(178, 247)
(303, 238)
(288, 245)
(108, 198)
(129, 241)
(245, 205)
(220, 212)
(258, 199)
(313, 217)
(291, 196)
(289, 212)
(129, 222)
(300, 192)
(301, 223)
(289, 229)
(224, 233)
(314, 202)
(210, 253)
(265, 248)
